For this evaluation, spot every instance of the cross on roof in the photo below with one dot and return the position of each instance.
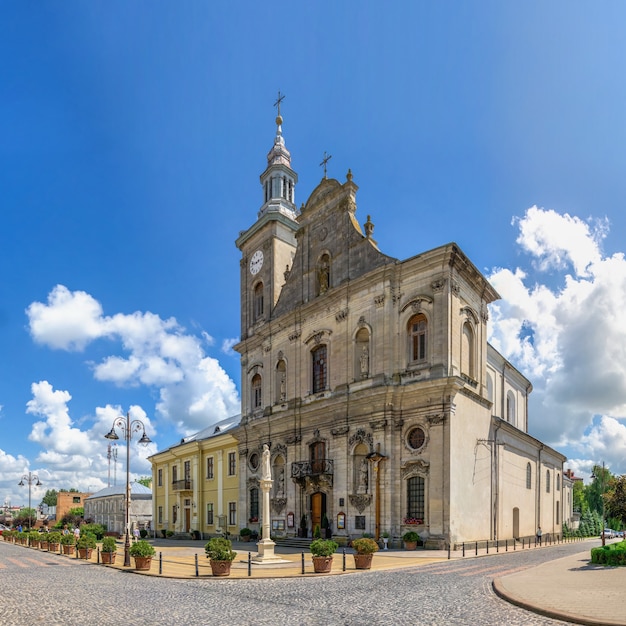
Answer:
(327, 157)
(280, 98)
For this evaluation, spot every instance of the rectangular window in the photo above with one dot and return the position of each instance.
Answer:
(209, 467)
(160, 517)
(160, 478)
(415, 499)
(187, 470)
(232, 513)
(209, 514)
(174, 513)
(174, 473)
(232, 467)
(254, 504)
(359, 522)
(319, 369)
(76, 500)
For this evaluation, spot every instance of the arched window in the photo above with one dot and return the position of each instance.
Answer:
(415, 499)
(510, 407)
(558, 516)
(418, 334)
(320, 369)
(529, 475)
(558, 482)
(257, 395)
(258, 302)
(489, 387)
(254, 504)
(362, 354)
(467, 350)
(281, 382)
(547, 481)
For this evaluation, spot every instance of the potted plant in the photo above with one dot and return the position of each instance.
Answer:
(322, 551)
(221, 554)
(54, 539)
(33, 539)
(22, 537)
(364, 551)
(245, 534)
(109, 550)
(326, 531)
(68, 542)
(410, 539)
(142, 552)
(86, 544)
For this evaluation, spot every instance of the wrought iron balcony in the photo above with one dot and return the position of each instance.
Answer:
(319, 467)
(182, 485)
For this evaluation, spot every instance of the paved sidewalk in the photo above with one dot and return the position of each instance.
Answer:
(570, 589)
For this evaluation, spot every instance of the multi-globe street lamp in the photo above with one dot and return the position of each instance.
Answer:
(128, 427)
(31, 479)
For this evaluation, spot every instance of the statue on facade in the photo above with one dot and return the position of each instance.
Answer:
(266, 468)
(363, 477)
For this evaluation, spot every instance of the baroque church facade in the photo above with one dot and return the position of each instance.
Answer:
(373, 384)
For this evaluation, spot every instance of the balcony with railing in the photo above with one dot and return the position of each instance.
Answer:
(182, 485)
(311, 469)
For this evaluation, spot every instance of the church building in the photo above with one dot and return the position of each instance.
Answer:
(372, 382)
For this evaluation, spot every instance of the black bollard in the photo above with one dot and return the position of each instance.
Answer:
(249, 564)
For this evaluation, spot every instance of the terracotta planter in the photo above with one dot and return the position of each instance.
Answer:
(322, 564)
(68, 549)
(220, 568)
(53, 547)
(410, 545)
(43, 545)
(34, 544)
(84, 553)
(108, 558)
(363, 561)
(143, 563)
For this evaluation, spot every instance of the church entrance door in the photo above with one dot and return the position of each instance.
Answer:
(318, 509)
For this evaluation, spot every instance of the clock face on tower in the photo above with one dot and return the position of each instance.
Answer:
(256, 262)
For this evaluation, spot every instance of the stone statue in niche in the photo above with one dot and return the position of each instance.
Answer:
(363, 477)
(267, 470)
(280, 483)
(364, 360)
(323, 275)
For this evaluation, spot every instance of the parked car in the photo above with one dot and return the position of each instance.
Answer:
(3, 528)
(609, 533)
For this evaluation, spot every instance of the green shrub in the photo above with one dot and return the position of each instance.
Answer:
(410, 535)
(365, 545)
(54, 537)
(96, 529)
(86, 540)
(245, 532)
(611, 554)
(219, 549)
(142, 548)
(109, 544)
(68, 540)
(323, 547)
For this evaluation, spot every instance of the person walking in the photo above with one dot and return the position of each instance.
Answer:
(539, 533)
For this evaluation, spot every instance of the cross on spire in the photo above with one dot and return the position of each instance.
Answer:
(279, 99)
(327, 157)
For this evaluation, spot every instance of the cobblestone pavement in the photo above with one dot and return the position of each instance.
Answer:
(41, 588)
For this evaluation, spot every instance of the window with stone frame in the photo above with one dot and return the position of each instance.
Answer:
(510, 408)
(232, 464)
(320, 368)
(362, 355)
(281, 382)
(257, 302)
(529, 474)
(210, 467)
(418, 338)
(415, 498)
(160, 515)
(254, 504)
(257, 391)
(159, 478)
(209, 514)
(232, 513)
(547, 481)
(467, 351)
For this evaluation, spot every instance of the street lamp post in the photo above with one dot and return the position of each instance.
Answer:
(128, 427)
(30, 480)
(602, 479)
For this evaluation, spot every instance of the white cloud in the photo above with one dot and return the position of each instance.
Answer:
(193, 388)
(227, 346)
(570, 338)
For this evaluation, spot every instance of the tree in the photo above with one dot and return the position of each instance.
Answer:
(50, 498)
(593, 492)
(578, 497)
(615, 498)
(146, 481)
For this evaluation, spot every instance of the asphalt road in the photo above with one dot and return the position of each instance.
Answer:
(39, 588)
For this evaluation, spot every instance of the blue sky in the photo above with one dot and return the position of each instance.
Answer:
(133, 137)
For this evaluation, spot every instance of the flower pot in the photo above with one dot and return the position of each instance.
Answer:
(322, 564)
(68, 549)
(43, 545)
(108, 558)
(363, 561)
(84, 553)
(53, 547)
(410, 545)
(220, 568)
(386, 543)
(143, 563)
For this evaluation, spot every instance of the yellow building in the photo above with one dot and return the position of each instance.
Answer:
(196, 483)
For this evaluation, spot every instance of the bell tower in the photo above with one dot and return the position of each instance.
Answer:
(269, 245)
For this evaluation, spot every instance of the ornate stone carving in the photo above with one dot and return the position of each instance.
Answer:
(278, 505)
(360, 501)
(279, 449)
(415, 468)
(379, 301)
(341, 430)
(294, 335)
(454, 287)
(360, 436)
(341, 315)
(291, 439)
(484, 313)
(252, 483)
(436, 418)
(396, 293)
(438, 284)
